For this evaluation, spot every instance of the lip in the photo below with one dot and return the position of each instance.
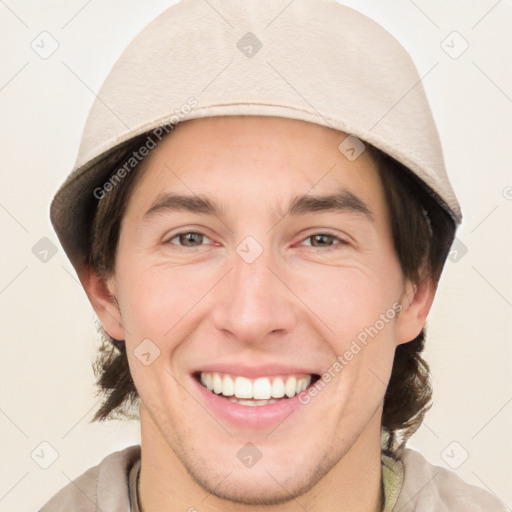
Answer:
(243, 416)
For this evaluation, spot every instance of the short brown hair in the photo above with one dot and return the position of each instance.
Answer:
(422, 235)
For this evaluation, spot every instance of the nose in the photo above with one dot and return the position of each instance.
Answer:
(255, 301)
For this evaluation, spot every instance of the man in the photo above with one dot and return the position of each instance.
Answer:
(262, 247)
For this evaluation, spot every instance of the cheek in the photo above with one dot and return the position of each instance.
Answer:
(356, 309)
(156, 298)
(153, 305)
(348, 299)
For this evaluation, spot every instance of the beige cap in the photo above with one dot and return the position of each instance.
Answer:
(312, 60)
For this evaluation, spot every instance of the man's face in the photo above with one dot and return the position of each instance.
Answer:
(256, 299)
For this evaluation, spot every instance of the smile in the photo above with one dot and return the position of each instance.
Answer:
(255, 391)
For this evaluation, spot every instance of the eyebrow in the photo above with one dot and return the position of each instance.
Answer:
(341, 201)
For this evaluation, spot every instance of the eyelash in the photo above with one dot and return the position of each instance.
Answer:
(340, 241)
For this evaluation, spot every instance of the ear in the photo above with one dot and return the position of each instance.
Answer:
(101, 295)
(416, 303)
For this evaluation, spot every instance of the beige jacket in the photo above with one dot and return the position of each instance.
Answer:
(411, 483)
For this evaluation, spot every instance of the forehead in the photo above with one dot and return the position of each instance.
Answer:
(286, 142)
(261, 158)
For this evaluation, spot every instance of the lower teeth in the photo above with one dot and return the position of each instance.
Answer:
(251, 402)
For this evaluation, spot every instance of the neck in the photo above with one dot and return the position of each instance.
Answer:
(352, 485)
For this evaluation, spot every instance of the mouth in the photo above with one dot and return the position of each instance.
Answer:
(255, 392)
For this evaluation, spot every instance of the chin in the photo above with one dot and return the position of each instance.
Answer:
(263, 484)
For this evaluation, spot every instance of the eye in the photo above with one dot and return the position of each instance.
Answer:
(195, 239)
(324, 240)
(188, 239)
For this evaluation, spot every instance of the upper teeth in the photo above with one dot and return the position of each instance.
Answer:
(262, 388)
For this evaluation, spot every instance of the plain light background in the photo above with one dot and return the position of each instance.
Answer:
(48, 338)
